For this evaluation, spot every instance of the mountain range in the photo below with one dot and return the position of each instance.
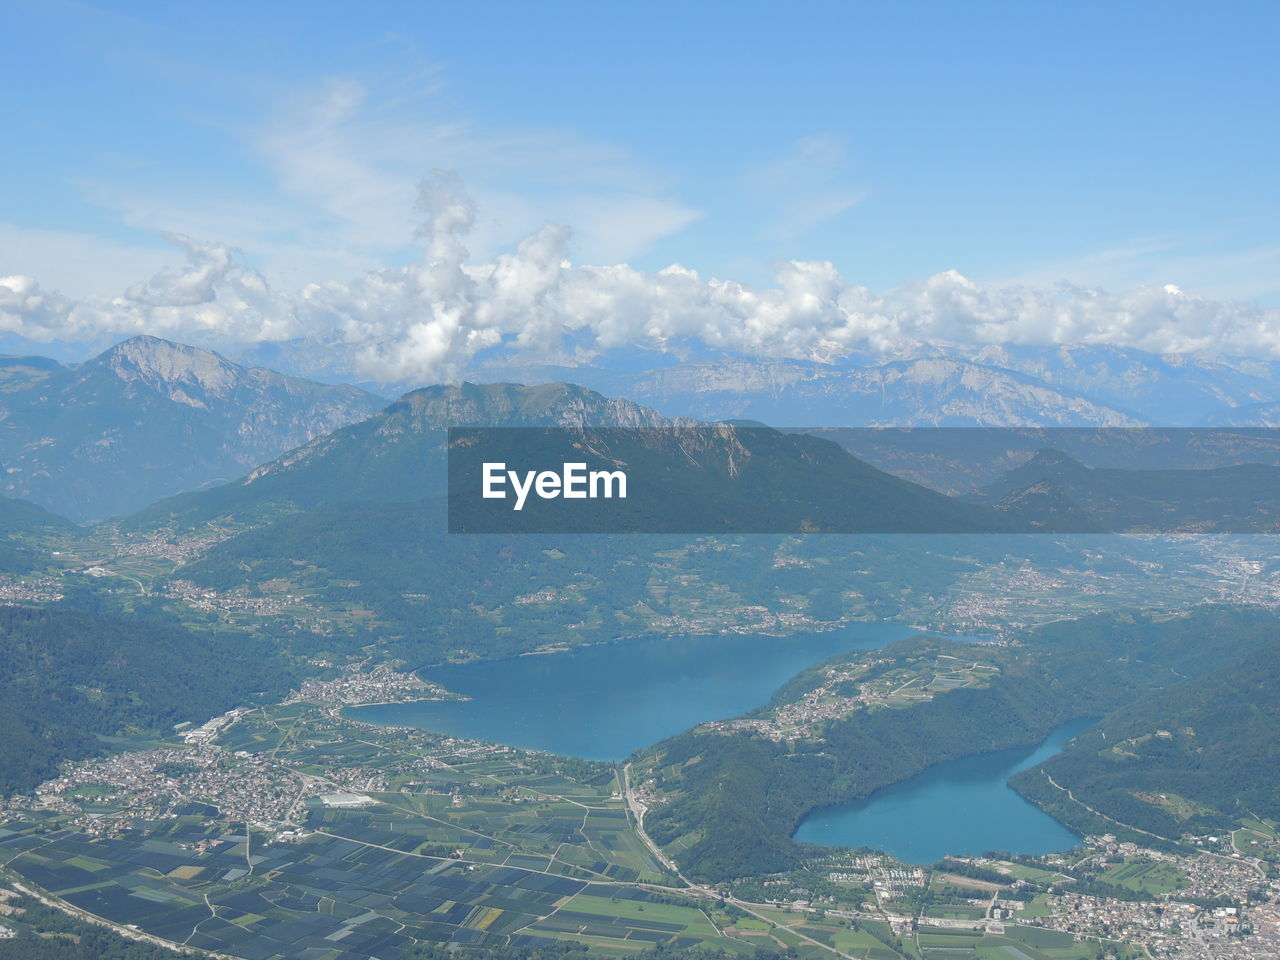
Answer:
(149, 418)
(995, 386)
(345, 515)
(911, 385)
(686, 477)
(396, 455)
(1056, 492)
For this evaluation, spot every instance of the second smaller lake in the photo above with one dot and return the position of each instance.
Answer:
(963, 808)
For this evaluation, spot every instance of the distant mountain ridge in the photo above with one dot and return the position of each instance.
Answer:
(908, 384)
(722, 475)
(1253, 415)
(1168, 390)
(399, 453)
(149, 418)
(1053, 491)
(931, 391)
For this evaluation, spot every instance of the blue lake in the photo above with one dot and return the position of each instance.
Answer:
(962, 808)
(604, 702)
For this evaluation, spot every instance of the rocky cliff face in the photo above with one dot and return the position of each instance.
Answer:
(149, 418)
(932, 391)
(915, 384)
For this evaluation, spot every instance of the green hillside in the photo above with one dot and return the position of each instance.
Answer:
(1192, 757)
(68, 678)
(734, 797)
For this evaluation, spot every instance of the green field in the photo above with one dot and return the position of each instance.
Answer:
(1142, 876)
(857, 943)
(955, 911)
(1021, 871)
(1016, 943)
(459, 842)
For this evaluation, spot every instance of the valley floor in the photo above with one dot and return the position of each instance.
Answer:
(290, 831)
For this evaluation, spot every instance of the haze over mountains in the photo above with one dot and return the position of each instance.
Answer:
(685, 476)
(995, 386)
(914, 385)
(149, 418)
(1059, 492)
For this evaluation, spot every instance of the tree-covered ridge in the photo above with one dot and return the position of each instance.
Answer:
(1191, 758)
(25, 530)
(1057, 492)
(735, 797)
(684, 475)
(69, 678)
(729, 798)
(429, 596)
(396, 455)
(21, 517)
(909, 673)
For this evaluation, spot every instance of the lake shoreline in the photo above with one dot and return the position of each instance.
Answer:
(604, 701)
(970, 793)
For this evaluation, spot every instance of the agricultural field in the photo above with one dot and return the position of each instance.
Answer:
(1258, 839)
(1016, 943)
(958, 898)
(954, 910)
(1144, 876)
(294, 832)
(1022, 871)
(856, 943)
(359, 886)
(299, 833)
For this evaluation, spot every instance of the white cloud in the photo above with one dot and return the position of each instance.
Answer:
(77, 264)
(213, 296)
(806, 187)
(328, 170)
(30, 311)
(356, 155)
(429, 320)
(1250, 272)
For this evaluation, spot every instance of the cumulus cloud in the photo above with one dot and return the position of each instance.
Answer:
(330, 167)
(28, 310)
(213, 295)
(431, 319)
(353, 152)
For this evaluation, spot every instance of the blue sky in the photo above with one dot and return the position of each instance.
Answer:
(1017, 143)
(897, 140)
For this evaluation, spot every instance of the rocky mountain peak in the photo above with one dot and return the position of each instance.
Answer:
(513, 404)
(149, 418)
(171, 368)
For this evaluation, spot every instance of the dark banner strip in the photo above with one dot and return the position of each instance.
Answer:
(731, 478)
